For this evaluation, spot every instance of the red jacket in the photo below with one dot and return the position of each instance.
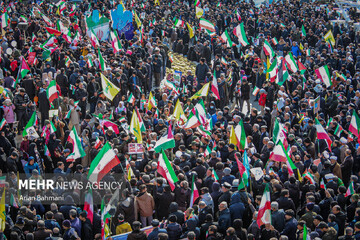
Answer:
(262, 99)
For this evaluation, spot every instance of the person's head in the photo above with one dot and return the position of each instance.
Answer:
(336, 209)
(289, 214)
(136, 226)
(66, 224)
(83, 216)
(223, 206)
(274, 206)
(73, 214)
(191, 235)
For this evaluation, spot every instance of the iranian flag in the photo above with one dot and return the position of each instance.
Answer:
(97, 143)
(241, 136)
(33, 38)
(239, 31)
(322, 134)
(283, 74)
(226, 38)
(255, 91)
(13, 201)
(324, 74)
(50, 42)
(322, 184)
(268, 49)
(179, 23)
(279, 134)
(5, 20)
(238, 15)
(303, 32)
(104, 161)
(354, 126)
(350, 191)
(214, 88)
(309, 177)
(46, 151)
(94, 40)
(115, 41)
(264, 213)
(72, 11)
(131, 99)
(102, 62)
(291, 63)
(165, 142)
(24, 68)
(53, 31)
(2, 123)
(274, 41)
(165, 169)
(205, 24)
(89, 205)
(273, 70)
(78, 150)
(197, 3)
(279, 154)
(29, 128)
(77, 38)
(194, 191)
(46, 20)
(51, 91)
(214, 176)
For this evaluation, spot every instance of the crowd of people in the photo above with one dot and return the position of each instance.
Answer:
(316, 199)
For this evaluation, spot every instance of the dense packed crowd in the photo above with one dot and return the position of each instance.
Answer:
(263, 132)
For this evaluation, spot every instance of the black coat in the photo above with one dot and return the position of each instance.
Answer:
(86, 229)
(44, 104)
(162, 203)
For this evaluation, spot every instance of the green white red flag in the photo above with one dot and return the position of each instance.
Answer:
(165, 169)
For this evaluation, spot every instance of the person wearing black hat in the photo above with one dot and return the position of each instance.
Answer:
(122, 226)
(137, 234)
(290, 225)
(18, 227)
(156, 230)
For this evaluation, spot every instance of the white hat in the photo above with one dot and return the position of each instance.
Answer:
(329, 176)
(343, 140)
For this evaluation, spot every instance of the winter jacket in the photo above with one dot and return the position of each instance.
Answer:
(137, 235)
(224, 220)
(174, 231)
(290, 229)
(144, 204)
(237, 208)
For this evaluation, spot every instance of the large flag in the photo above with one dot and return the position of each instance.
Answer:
(104, 161)
(109, 89)
(2, 123)
(239, 31)
(53, 31)
(291, 63)
(194, 191)
(78, 151)
(324, 74)
(306, 235)
(191, 34)
(207, 25)
(203, 92)
(151, 101)
(280, 154)
(264, 213)
(135, 127)
(214, 87)
(89, 205)
(165, 142)
(51, 91)
(354, 126)
(165, 169)
(226, 38)
(322, 134)
(50, 42)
